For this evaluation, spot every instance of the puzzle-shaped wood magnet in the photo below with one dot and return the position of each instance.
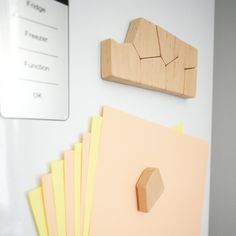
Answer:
(151, 58)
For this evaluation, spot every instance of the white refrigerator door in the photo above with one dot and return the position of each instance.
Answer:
(28, 146)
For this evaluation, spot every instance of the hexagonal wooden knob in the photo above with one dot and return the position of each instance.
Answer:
(149, 188)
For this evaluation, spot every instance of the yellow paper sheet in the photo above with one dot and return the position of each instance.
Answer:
(179, 127)
(69, 175)
(95, 129)
(86, 137)
(37, 207)
(77, 186)
(57, 169)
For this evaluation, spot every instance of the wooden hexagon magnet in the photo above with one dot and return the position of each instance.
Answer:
(149, 188)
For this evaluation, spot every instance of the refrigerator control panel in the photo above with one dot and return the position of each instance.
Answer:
(35, 74)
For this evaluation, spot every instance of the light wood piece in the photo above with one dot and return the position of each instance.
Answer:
(151, 58)
(187, 54)
(153, 73)
(143, 35)
(120, 62)
(167, 45)
(175, 77)
(149, 188)
(190, 77)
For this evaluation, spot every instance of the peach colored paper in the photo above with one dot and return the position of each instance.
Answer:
(129, 145)
(49, 204)
(77, 186)
(69, 171)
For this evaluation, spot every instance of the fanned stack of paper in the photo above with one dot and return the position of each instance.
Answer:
(91, 191)
(59, 204)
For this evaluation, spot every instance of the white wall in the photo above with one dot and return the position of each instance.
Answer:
(28, 146)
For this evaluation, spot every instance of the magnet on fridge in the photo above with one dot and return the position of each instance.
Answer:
(149, 188)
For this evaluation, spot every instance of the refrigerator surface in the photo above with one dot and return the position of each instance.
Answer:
(28, 146)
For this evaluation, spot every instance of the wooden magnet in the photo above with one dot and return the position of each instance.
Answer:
(106, 58)
(153, 73)
(148, 53)
(167, 45)
(175, 77)
(143, 35)
(149, 188)
(190, 76)
(120, 62)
